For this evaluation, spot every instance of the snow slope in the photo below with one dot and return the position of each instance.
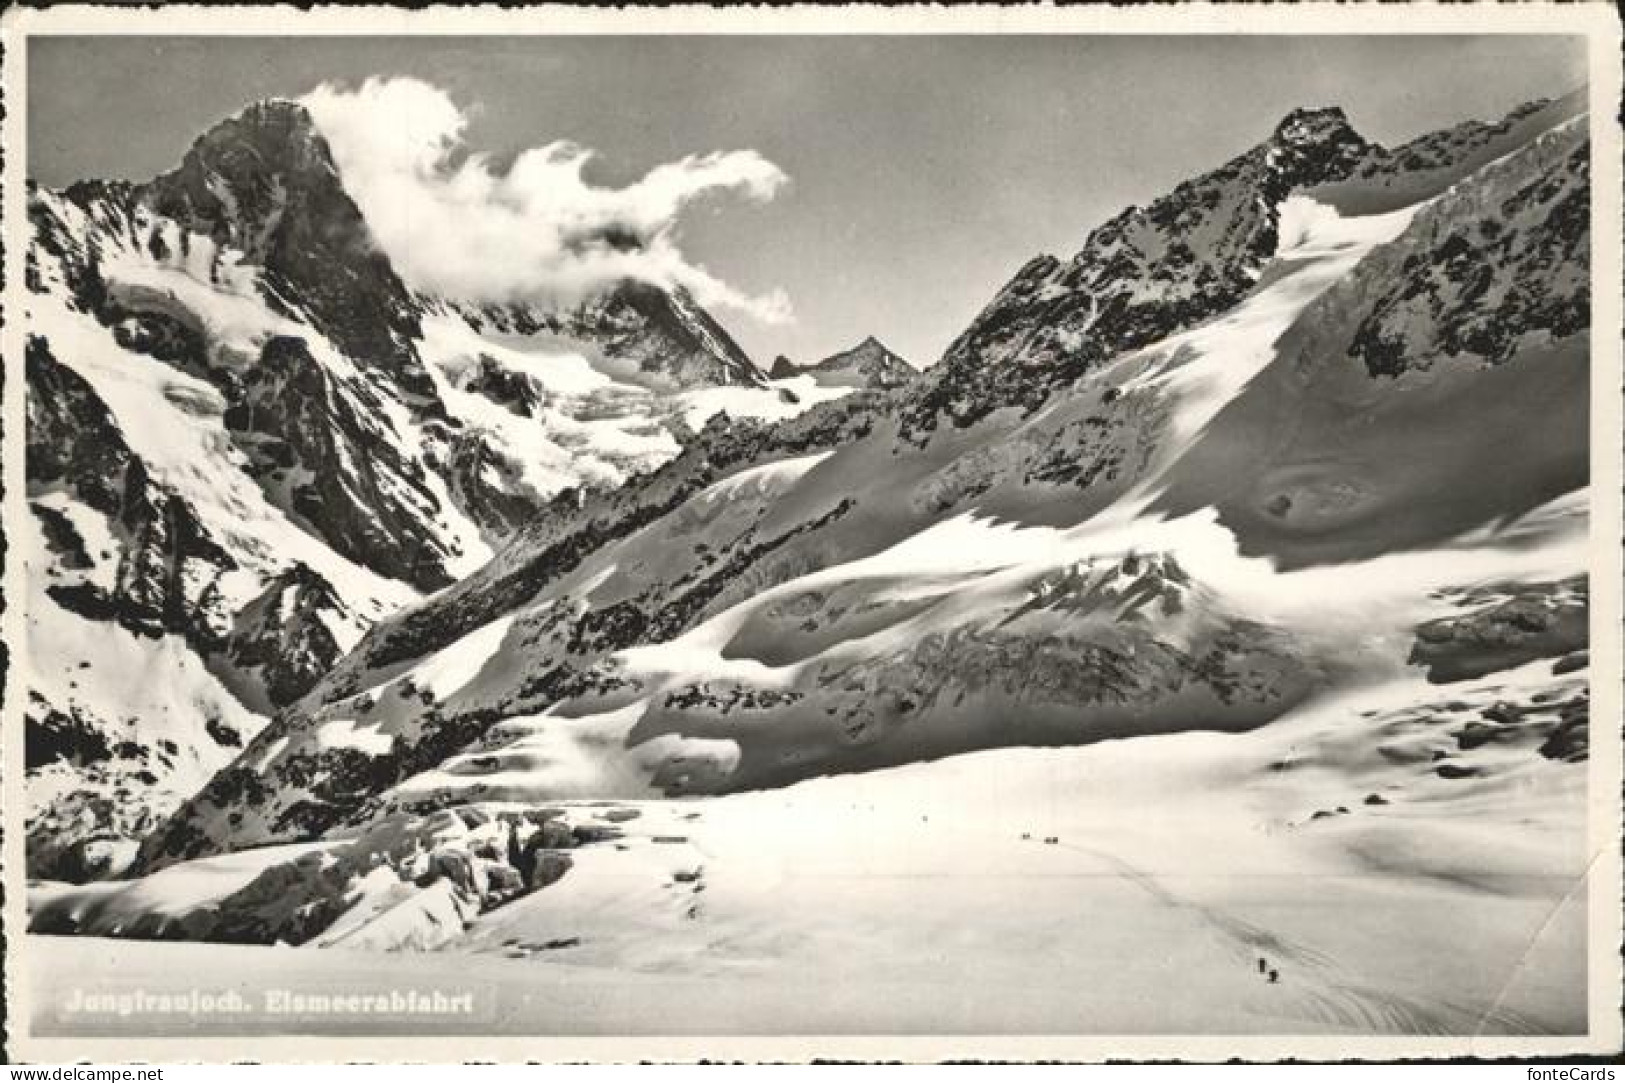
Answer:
(1007, 892)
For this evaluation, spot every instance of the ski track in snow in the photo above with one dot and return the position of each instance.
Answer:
(1314, 979)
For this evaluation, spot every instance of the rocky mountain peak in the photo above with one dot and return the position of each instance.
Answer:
(283, 130)
(695, 345)
(1152, 271)
(235, 182)
(871, 352)
(868, 364)
(1328, 124)
(1309, 147)
(662, 335)
(264, 183)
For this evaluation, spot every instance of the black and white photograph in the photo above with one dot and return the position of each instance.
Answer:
(562, 535)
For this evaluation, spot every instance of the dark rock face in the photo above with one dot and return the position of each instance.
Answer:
(54, 736)
(513, 391)
(689, 345)
(294, 417)
(264, 183)
(1521, 270)
(372, 503)
(71, 437)
(110, 205)
(285, 635)
(489, 485)
(1504, 628)
(162, 576)
(167, 573)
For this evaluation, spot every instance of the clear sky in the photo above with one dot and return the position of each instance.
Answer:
(923, 171)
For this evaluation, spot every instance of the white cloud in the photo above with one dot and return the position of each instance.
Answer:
(453, 224)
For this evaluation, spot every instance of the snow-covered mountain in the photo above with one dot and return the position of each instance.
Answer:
(1282, 476)
(1197, 251)
(247, 440)
(1161, 487)
(651, 334)
(868, 364)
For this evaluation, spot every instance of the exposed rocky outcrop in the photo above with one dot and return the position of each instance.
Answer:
(316, 443)
(406, 882)
(1503, 627)
(290, 636)
(1479, 282)
(515, 392)
(869, 364)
